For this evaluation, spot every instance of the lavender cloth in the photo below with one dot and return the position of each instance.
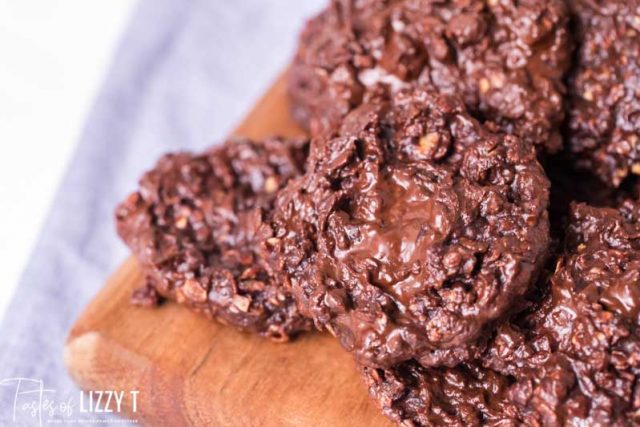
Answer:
(184, 75)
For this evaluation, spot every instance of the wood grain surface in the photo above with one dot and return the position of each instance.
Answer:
(193, 372)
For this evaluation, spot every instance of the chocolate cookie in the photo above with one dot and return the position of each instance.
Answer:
(464, 396)
(506, 59)
(413, 230)
(571, 184)
(604, 120)
(196, 226)
(574, 359)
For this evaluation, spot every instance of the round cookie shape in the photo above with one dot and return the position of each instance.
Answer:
(571, 359)
(196, 224)
(604, 113)
(506, 59)
(576, 358)
(413, 230)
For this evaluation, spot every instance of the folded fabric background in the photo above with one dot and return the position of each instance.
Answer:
(185, 74)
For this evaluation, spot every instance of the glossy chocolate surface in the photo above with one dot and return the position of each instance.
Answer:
(413, 230)
(505, 59)
(572, 360)
(196, 225)
(604, 119)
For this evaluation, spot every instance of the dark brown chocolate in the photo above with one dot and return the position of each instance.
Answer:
(506, 59)
(413, 230)
(572, 184)
(464, 396)
(574, 360)
(604, 119)
(577, 357)
(197, 227)
(418, 229)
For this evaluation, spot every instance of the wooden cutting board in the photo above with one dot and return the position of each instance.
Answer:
(194, 372)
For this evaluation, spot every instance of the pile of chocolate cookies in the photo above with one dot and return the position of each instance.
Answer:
(465, 218)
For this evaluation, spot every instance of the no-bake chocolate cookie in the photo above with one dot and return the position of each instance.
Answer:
(571, 184)
(196, 226)
(505, 59)
(576, 358)
(573, 360)
(604, 119)
(464, 396)
(413, 230)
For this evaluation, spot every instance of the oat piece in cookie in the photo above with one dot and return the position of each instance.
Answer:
(413, 230)
(576, 359)
(506, 59)
(573, 360)
(466, 395)
(604, 119)
(196, 225)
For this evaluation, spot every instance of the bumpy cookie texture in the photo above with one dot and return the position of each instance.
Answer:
(505, 58)
(413, 230)
(197, 226)
(571, 184)
(464, 396)
(572, 360)
(604, 124)
(577, 357)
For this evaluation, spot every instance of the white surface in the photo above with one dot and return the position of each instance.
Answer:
(53, 56)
